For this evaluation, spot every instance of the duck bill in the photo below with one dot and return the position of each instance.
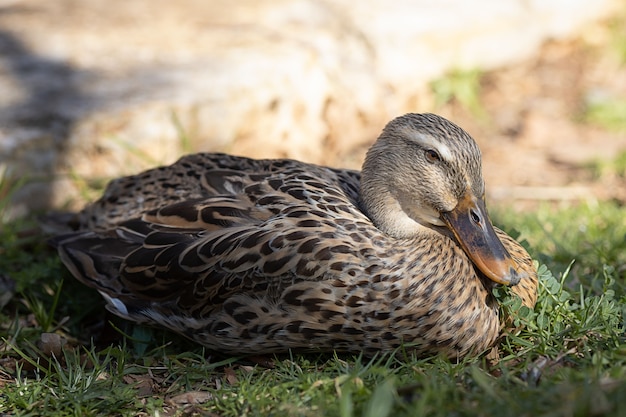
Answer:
(472, 227)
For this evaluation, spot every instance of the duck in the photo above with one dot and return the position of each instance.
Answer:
(262, 256)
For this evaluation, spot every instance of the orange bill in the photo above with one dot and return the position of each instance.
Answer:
(473, 229)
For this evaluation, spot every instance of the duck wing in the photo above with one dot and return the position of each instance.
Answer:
(243, 231)
(202, 175)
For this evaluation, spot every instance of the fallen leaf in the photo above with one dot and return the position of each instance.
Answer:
(143, 383)
(191, 397)
(229, 375)
(50, 344)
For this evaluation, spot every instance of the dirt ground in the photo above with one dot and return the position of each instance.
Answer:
(535, 134)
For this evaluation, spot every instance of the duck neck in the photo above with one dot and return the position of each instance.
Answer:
(385, 208)
(387, 215)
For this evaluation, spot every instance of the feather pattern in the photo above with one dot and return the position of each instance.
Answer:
(258, 256)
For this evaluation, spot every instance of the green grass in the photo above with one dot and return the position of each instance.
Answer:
(617, 35)
(462, 86)
(614, 167)
(606, 108)
(606, 112)
(567, 357)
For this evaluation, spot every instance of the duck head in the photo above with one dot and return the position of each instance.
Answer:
(423, 175)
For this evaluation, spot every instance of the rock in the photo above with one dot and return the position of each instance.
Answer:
(92, 91)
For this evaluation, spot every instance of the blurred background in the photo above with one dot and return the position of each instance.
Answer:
(95, 89)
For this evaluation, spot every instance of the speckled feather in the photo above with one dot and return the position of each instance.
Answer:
(257, 256)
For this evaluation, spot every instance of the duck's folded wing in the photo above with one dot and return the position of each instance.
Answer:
(198, 253)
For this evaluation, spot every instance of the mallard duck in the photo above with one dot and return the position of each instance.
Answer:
(252, 256)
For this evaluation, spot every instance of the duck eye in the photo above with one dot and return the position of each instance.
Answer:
(432, 156)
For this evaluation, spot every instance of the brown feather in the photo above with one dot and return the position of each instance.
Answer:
(255, 256)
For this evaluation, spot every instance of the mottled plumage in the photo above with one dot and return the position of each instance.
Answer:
(256, 256)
